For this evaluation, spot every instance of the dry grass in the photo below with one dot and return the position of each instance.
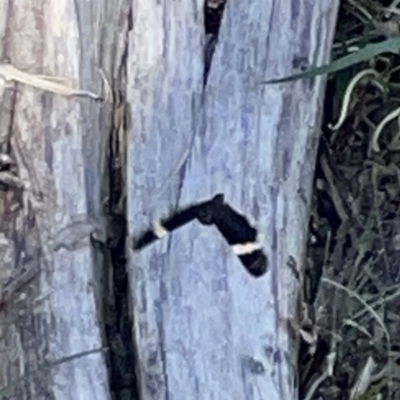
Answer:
(10, 75)
(354, 258)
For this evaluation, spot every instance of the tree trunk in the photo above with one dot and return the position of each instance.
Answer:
(203, 328)
(51, 325)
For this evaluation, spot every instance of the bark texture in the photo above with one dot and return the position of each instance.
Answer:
(205, 329)
(50, 335)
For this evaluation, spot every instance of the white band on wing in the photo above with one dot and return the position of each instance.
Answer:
(159, 230)
(246, 248)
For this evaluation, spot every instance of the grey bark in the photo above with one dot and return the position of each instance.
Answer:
(204, 328)
(50, 337)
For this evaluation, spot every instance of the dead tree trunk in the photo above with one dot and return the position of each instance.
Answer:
(202, 327)
(53, 144)
(205, 329)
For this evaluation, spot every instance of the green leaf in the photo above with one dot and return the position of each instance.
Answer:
(391, 45)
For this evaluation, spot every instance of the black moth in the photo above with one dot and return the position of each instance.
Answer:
(233, 226)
